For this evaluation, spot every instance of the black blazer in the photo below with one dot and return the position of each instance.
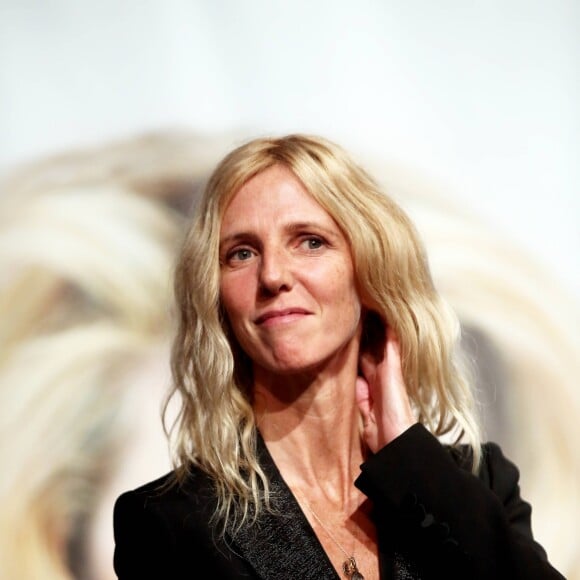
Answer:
(434, 520)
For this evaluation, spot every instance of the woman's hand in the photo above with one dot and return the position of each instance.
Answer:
(381, 394)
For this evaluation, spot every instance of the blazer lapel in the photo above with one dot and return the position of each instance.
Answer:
(283, 545)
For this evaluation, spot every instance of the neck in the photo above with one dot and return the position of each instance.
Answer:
(315, 440)
(312, 430)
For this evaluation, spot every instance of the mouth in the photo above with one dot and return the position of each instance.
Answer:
(284, 315)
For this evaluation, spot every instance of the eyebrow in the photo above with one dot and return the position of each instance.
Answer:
(291, 227)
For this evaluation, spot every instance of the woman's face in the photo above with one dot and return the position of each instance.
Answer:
(287, 281)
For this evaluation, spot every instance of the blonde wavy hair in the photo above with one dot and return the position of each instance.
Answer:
(215, 428)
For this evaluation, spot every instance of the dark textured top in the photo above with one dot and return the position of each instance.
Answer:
(434, 520)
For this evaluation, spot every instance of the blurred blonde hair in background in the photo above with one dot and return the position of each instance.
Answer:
(87, 244)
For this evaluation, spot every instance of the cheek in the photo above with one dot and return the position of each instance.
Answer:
(341, 292)
(353, 308)
(235, 297)
(227, 299)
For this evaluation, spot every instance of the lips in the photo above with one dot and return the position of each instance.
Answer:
(273, 314)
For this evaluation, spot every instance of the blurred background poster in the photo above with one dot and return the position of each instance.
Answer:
(111, 115)
(482, 97)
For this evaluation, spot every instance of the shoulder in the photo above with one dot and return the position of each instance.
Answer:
(164, 510)
(159, 489)
(160, 526)
(498, 473)
(494, 467)
(166, 494)
(163, 482)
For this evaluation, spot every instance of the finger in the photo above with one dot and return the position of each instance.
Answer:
(366, 407)
(363, 398)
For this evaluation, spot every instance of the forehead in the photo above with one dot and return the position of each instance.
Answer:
(273, 194)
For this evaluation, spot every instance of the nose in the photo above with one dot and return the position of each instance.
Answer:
(275, 274)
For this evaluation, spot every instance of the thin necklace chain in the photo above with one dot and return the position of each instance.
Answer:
(349, 566)
(328, 532)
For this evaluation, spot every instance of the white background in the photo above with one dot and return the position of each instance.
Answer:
(481, 96)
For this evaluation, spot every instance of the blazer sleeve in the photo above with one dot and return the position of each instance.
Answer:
(446, 520)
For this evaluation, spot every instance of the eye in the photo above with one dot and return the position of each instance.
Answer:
(313, 242)
(239, 255)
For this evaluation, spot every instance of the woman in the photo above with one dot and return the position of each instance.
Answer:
(316, 368)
